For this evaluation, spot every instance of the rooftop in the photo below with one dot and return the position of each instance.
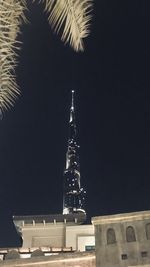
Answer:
(140, 215)
(54, 218)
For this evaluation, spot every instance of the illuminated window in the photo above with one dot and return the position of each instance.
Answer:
(89, 248)
(111, 237)
(130, 234)
(148, 231)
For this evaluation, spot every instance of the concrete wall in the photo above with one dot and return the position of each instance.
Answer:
(85, 242)
(58, 235)
(64, 260)
(122, 252)
(79, 236)
(52, 235)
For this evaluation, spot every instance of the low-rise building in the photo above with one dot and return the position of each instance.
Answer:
(82, 259)
(56, 231)
(122, 239)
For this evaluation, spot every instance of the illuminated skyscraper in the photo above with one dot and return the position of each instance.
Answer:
(73, 193)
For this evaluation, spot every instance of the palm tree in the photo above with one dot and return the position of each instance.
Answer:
(72, 17)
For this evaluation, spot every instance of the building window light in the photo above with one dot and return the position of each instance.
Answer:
(89, 248)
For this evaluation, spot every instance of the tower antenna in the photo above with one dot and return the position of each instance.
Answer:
(72, 102)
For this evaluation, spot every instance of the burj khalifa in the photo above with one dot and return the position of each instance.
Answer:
(73, 193)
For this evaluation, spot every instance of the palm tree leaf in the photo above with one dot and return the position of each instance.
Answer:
(11, 15)
(73, 16)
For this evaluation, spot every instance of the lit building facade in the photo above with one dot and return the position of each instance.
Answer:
(122, 239)
(56, 231)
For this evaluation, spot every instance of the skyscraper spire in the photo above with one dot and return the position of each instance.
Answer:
(72, 103)
(72, 123)
(73, 194)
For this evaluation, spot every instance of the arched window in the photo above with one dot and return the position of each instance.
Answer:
(148, 231)
(111, 237)
(130, 234)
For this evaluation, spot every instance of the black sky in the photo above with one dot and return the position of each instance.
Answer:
(111, 79)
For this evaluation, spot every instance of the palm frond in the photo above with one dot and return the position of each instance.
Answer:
(11, 15)
(70, 17)
(73, 16)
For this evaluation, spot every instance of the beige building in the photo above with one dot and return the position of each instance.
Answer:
(123, 239)
(82, 259)
(56, 231)
(62, 240)
(52, 240)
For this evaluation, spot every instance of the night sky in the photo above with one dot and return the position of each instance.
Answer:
(111, 80)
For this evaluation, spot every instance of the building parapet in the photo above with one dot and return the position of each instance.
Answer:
(123, 217)
(27, 252)
(80, 258)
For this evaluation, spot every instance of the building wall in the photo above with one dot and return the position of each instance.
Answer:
(86, 243)
(58, 235)
(52, 235)
(126, 244)
(80, 236)
(64, 260)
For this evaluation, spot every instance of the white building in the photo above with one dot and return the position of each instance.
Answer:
(56, 231)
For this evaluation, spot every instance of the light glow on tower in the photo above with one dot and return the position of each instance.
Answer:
(73, 194)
